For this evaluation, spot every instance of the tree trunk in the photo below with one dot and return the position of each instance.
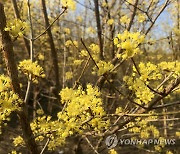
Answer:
(54, 55)
(7, 49)
(99, 29)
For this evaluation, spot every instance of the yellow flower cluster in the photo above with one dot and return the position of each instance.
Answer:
(5, 83)
(103, 67)
(169, 152)
(170, 67)
(43, 127)
(150, 72)
(95, 51)
(31, 68)
(143, 94)
(145, 133)
(82, 112)
(143, 128)
(67, 31)
(178, 134)
(9, 101)
(69, 4)
(82, 106)
(129, 43)
(79, 19)
(41, 57)
(124, 19)
(77, 62)
(112, 151)
(119, 110)
(16, 27)
(110, 22)
(176, 31)
(141, 17)
(18, 141)
(104, 4)
(91, 30)
(69, 75)
(69, 43)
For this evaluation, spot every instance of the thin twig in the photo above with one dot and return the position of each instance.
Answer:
(166, 79)
(45, 146)
(162, 9)
(31, 42)
(166, 105)
(145, 115)
(155, 91)
(99, 29)
(91, 145)
(105, 76)
(84, 68)
(51, 24)
(133, 15)
(89, 53)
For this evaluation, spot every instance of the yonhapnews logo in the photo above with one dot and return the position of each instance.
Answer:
(112, 141)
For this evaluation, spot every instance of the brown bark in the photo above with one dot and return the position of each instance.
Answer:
(99, 29)
(7, 49)
(54, 55)
(133, 15)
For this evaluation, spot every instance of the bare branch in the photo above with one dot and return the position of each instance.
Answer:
(50, 25)
(45, 146)
(99, 31)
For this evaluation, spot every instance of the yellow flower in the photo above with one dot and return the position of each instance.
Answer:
(79, 18)
(178, 134)
(119, 110)
(13, 152)
(77, 62)
(141, 17)
(67, 30)
(124, 20)
(9, 101)
(91, 30)
(41, 56)
(18, 141)
(103, 67)
(68, 43)
(16, 27)
(110, 21)
(129, 42)
(112, 151)
(40, 112)
(69, 4)
(158, 148)
(84, 53)
(95, 51)
(116, 41)
(69, 75)
(169, 152)
(29, 67)
(75, 43)
(104, 4)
